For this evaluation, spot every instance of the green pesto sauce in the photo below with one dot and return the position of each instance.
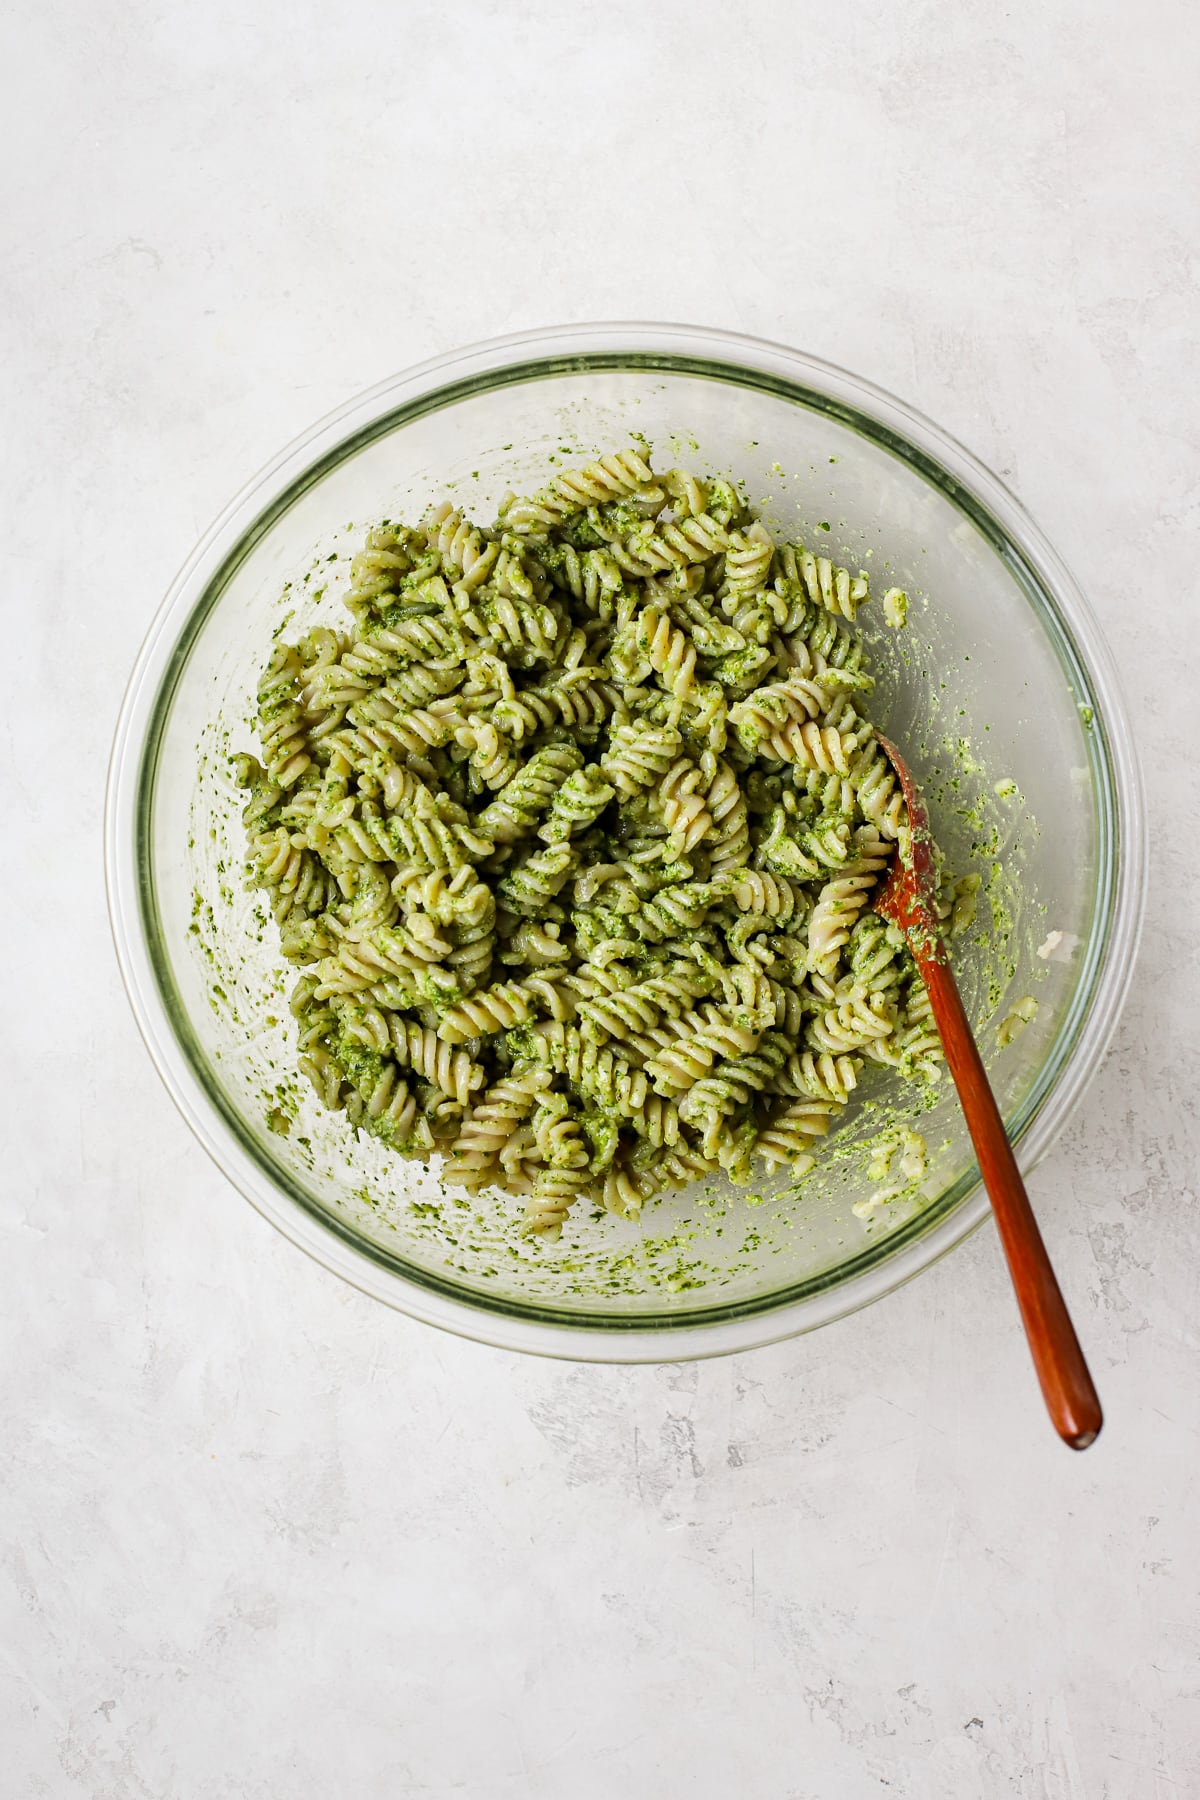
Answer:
(710, 1248)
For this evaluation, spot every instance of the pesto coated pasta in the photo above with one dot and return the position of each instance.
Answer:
(573, 835)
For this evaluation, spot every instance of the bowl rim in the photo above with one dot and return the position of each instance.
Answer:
(1049, 586)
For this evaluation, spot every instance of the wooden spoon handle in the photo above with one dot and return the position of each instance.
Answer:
(1066, 1383)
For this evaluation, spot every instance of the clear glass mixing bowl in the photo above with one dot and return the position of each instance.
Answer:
(1001, 677)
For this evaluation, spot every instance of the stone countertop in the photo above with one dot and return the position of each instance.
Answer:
(260, 1537)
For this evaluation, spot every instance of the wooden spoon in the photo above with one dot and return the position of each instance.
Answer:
(907, 900)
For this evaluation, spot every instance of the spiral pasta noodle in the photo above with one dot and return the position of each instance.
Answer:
(574, 834)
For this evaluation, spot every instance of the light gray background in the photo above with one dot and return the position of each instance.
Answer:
(259, 1538)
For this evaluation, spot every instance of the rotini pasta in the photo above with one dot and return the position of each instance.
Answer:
(574, 835)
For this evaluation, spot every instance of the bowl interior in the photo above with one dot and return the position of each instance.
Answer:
(983, 688)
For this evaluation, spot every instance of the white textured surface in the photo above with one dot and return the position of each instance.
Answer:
(258, 1536)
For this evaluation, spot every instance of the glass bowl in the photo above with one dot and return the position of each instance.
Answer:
(1000, 690)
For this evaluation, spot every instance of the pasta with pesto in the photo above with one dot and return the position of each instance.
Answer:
(572, 835)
